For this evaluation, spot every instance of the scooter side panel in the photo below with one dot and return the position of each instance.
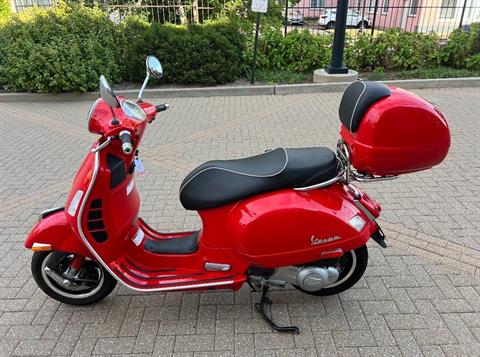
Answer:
(56, 231)
(291, 227)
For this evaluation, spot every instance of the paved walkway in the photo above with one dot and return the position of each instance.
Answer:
(421, 296)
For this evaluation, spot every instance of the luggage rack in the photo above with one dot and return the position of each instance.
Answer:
(346, 173)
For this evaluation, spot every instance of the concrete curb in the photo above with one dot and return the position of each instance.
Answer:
(277, 89)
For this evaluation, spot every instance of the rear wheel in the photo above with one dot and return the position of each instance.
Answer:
(87, 285)
(351, 265)
(330, 25)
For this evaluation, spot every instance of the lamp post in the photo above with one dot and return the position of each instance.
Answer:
(337, 66)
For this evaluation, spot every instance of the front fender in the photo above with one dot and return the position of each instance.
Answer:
(55, 230)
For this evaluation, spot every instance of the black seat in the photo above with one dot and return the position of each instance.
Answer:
(356, 100)
(216, 183)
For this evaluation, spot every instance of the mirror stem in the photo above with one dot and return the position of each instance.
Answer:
(140, 94)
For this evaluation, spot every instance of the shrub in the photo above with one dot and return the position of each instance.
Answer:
(62, 49)
(66, 48)
(205, 54)
(299, 51)
(394, 50)
(5, 9)
(460, 46)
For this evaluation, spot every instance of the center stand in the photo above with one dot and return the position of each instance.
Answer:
(261, 309)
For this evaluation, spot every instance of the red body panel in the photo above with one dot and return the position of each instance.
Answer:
(398, 134)
(56, 231)
(274, 229)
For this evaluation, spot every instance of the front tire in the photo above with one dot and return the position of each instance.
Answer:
(353, 265)
(92, 284)
(364, 23)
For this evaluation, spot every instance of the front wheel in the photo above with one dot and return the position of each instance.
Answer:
(363, 24)
(351, 265)
(87, 285)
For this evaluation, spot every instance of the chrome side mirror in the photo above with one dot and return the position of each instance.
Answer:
(106, 93)
(154, 69)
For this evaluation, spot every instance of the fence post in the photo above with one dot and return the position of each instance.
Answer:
(374, 16)
(337, 67)
(463, 14)
(286, 18)
(255, 46)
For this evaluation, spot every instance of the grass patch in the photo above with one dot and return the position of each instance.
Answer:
(263, 76)
(421, 73)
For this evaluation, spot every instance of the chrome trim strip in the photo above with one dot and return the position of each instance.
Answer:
(95, 254)
(321, 184)
(102, 145)
(217, 266)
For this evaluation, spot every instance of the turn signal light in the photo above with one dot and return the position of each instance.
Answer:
(41, 247)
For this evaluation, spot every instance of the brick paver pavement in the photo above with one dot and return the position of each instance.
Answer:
(421, 296)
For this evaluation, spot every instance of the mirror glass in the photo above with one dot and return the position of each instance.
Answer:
(132, 110)
(154, 67)
(106, 93)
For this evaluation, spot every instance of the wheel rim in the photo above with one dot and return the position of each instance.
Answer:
(349, 272)
(74, 293)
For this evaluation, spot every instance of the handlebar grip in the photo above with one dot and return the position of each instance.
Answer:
(161, 107)
(126, 140)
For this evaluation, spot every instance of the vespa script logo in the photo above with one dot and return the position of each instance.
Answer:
(316, 241)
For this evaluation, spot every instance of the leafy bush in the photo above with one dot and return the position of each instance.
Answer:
(205, 54)
(393, 50)
(460, 46)
(66, 48)
(299, 51)
(5, 9)
(59, 50)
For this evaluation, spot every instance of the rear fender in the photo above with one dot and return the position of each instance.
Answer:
(55, 231)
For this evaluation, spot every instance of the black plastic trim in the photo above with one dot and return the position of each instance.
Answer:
(180, 245)
(117, 170)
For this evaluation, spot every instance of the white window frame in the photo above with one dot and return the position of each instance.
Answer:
(385, 9)
(448, 10)
(416, 7)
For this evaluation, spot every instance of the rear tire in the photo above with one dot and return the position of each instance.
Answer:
(353, 265)
(330, 25)
(100, 283)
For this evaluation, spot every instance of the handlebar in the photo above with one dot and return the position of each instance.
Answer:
(126, 140)
(161, 107)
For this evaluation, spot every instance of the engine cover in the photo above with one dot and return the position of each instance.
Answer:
(309, 278)
(316, 278)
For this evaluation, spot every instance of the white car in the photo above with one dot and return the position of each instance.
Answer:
(294, 17)
(354, 19)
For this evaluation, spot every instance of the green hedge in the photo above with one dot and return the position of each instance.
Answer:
(299, 51)
(59, 50)
(206, 54)
(66, 48)
(391, 50)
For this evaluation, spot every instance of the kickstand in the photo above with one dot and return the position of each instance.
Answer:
(261, 306)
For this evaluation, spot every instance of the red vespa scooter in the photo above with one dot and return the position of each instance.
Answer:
(288, 216)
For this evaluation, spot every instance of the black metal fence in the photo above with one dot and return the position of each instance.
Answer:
(438, 16)
(163, 11)
(318, 16)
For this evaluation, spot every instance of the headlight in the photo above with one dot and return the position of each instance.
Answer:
(357, 222)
